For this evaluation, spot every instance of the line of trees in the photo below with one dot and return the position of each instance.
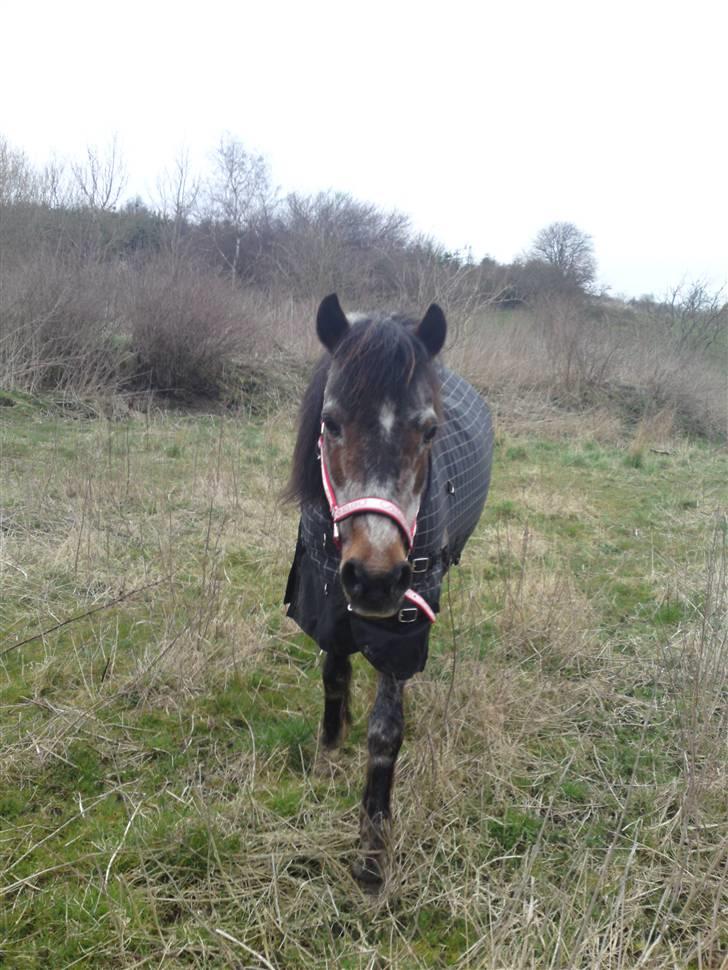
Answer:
(234, 222)
(98, 289)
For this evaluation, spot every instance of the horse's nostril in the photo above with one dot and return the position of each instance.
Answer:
(353, 577)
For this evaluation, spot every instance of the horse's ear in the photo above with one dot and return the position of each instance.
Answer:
(331, 322)
(433, 329)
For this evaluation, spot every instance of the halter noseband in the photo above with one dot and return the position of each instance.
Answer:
(373, 505)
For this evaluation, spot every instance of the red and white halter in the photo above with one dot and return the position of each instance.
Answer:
(378, 506)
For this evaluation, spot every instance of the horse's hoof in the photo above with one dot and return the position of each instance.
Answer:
(369, 873)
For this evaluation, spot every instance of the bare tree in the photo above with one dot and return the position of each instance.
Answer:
(18, 180)
(101, 179)
(21, 216)
(569, 249)
(238, 190)
(178, 191)
(56, 188)
(330, 240)
(697, 315)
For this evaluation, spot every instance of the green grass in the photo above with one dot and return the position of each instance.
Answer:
(160, 798)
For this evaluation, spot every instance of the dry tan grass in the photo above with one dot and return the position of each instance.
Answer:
(654, 432)
(521, 414)
(558, 372)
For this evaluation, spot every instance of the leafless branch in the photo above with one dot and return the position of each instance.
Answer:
(102, 178)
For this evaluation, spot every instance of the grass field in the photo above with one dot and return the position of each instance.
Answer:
(562, 793)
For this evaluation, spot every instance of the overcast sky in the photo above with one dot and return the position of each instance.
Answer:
(482, 121)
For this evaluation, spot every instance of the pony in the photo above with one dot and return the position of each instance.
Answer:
(391, 469)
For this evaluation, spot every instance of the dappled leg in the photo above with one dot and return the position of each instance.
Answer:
(386, 729)
(337, 678)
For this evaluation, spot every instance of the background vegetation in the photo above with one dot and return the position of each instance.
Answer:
(562, 791)
(207, 291)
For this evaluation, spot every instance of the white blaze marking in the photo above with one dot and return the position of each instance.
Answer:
(386, 419)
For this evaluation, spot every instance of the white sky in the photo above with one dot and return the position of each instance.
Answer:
(482, 121)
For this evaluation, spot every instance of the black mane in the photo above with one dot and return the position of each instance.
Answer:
(304, 484)
(378, 358)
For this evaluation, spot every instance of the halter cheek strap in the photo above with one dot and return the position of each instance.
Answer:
(370, 504)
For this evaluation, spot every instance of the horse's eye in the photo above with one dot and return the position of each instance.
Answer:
(430, 432)
(333, 427)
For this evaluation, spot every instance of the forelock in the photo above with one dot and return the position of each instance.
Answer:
(380, 358)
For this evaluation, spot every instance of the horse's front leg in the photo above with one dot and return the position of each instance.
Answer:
(336, 673)
(384, 737)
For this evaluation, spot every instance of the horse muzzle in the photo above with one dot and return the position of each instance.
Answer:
(375, 593)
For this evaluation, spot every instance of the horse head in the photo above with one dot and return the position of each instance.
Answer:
(379, 416)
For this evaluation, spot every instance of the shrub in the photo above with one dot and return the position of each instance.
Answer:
(59, 326)
(185, 329)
